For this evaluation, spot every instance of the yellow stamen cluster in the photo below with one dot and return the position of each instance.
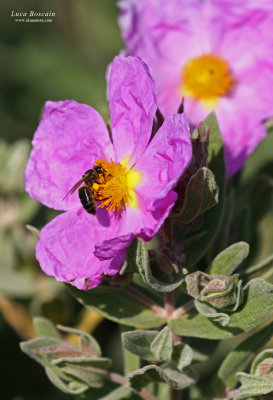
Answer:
(117, 186)
(207, 78)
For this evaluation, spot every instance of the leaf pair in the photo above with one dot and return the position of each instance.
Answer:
(73, 369)
(158, 346)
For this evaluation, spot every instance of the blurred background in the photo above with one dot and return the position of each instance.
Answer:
(67, 59)
(64, 59)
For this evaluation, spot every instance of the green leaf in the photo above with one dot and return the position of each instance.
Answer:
(139, 343)
(202, 348)
(35, 232)
(15, 284)
(162, 345)
(108, 388)
(242, 224)
(254, 268)
(253, 386)
(130, 361)
(208, 311)
(166, 373)
(143, 264)
(44, 327)
(185, 358)
(212, 218)
(119, 305)
(129, 264)
(90, 376)
(89, 341)
(239, 358)
(99, 362)
(265, 354)
(119, 393)
(32, 348)
(229, 259)
(201, 194)
(161, 391)
(61, 382)
(257, 306)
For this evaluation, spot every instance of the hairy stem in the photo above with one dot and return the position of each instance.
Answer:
(144, 393)
(169, 310)
(175, 394)
(17, 317)
(179, 312)
(146, 300)
(231, 394)
(169, 304)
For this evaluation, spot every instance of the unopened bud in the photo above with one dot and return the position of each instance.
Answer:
(218, 290)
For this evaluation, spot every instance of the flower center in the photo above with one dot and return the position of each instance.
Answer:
(117, 185)
(207, 78)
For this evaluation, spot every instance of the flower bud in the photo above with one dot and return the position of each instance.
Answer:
(262, 365)
(218, 290)
(265, 369)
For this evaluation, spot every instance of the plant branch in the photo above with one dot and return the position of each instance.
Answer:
(169, 304)
(231, 394)
(146, 300)
(169, 310)
(256, 267)
(144, 393)
(88, 323)
(183, 310)
(17, 317)
(175, 394)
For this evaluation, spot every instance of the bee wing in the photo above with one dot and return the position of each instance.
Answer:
(74, 188)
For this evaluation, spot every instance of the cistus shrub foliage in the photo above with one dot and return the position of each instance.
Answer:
(156, 232)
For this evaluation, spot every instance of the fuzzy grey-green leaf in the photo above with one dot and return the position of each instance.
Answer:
(252, 385)
(9, 284)
(185, 358)
(88, 375)
(139, 342)
(91, 341)
(167, 373)
(44, 327)
(201, 194)
(120, 393)
(257, 306)
(265, 355)
(119, 305)
(229, 259)
(99, 362)
(142, 261)
(212, 218)
(32, 347)
(240, 357)
(162, 345)
(208, 311)
(64, 385)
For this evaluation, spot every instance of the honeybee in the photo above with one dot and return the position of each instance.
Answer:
(86, 193)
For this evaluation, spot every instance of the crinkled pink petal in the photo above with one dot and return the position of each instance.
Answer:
(166, 158)
(67, 142)
(132, 105)
(241, 133)
(135, 222)
(164, 161)
(66, 248)
(80, 248)
(167, 33)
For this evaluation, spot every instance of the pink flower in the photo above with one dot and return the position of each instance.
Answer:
(217, 54)
(135, 192)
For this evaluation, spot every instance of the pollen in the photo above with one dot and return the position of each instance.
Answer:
(207, 78)
(116, 188)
